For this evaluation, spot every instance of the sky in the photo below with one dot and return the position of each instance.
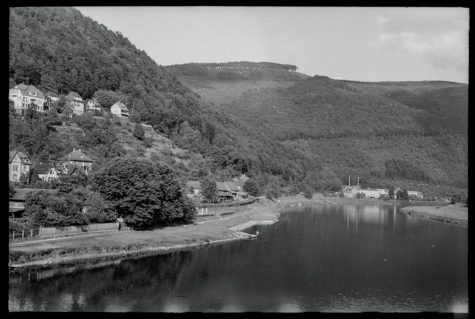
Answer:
(354, 43)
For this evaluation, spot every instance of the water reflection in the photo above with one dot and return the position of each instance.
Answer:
(334, 258)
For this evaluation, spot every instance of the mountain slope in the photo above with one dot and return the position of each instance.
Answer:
(358, 128)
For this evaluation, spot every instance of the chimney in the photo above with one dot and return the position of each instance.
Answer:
(358, 181)
(349, 184)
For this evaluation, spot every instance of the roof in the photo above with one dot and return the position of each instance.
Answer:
(73, 94)
(24, 158)
(224, 194)
(76, 155)
(122, 106)
(28, 90)
(193, 184)
(49, 93)
(20, 193)
(227, 186)
(42, 168)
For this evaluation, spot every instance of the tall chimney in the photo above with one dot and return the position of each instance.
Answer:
(349, 181)
(358, 181)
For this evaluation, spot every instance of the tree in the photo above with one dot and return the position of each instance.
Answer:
(68, 182)
(251, 187)
(43, 209)
(144, 193)
(209, 190)
(139, 132)
(391, 192)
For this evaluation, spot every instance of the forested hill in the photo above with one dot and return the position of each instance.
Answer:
(357, 128)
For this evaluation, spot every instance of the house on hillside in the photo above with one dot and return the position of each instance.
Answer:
(19, 164)
(17, 201)
(76, 103)
(45, 172)
(78, 159)
(93, 105)
(415, 194)
(225, 196)
(120, 109)
(231, 187)
(51, 98)
(25, 96)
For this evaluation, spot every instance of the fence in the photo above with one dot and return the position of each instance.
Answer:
(47, 232)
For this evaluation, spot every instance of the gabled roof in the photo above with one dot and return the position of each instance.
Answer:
(42, 168)
(227, 186)
(122, 106)
(24, 158)
(224, 194)
(71, 95)
(76, 155)
(49, 93)
(28, 90)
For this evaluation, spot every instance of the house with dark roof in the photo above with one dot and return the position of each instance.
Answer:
(231, 187)
(76, 102)
(120, 109)
(25, 96)
(45, 172)
(76, 158)
(19, 164)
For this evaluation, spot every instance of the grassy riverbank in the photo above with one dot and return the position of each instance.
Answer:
(457, 214)
(128, 243)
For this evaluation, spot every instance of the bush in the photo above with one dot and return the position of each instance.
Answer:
(308, 193)
(139, 132)
(252, 188)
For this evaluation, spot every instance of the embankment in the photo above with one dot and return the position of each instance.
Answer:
(456, 214)
(125, 244)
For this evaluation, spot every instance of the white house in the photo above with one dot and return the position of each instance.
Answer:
(76, 102)
(24, 96)
(19, 164)
(46, 172)
(415, 194)
(120, 109)
(93, 105)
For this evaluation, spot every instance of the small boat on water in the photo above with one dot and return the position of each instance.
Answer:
(254, 236)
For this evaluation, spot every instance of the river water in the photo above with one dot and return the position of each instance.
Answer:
(335, 258)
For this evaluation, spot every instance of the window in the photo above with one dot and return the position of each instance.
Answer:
(25, 168)
(14, 177)
(15, 168)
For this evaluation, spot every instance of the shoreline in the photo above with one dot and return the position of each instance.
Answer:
(454, 214)
(119, 245)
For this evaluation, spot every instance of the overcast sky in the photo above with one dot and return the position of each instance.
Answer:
(366, 44)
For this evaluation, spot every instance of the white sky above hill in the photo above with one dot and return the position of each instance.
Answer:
(357, 43)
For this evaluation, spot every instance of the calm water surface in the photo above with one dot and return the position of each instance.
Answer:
(333, 258)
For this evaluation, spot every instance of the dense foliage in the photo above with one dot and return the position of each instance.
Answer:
(251, 187)
(66, 209)
(145, 194)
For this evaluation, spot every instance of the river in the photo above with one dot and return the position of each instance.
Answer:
(342, 258)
